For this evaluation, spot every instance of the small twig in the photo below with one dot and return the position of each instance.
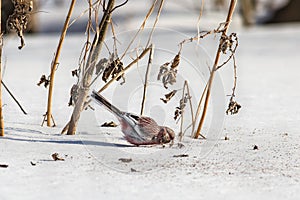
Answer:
(9, 92)
(234, 78)
(147, 77)
(118, 6)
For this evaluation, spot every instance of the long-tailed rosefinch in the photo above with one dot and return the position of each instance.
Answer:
(138, 130)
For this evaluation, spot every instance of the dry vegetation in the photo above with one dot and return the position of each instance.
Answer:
(113, 68)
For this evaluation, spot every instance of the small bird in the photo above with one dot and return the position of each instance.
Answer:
(138, 130)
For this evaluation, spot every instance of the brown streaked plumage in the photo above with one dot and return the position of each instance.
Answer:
(138, 130)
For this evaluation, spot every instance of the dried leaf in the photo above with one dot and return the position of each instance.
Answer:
(44, 80)
(3, 166)
(181, 156)
(133, 170)
(75, 73)
(168, 96)
(177, 114)
(125, 160)
(109, 124)
(176, 61)
(233, 107)
(73, 95)
(113, 70)
(162, 70)
(102, 65)
(32, 163)
(56, 157)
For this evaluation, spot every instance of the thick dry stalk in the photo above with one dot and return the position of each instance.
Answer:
(214, 69)
(146, 78)
(1, 46)
(55, 63)
(89, 68)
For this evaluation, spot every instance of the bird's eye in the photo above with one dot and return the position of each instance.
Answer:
(166, 138)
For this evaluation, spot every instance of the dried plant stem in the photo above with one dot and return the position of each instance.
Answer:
(1, 46)
(234, 78)
(146, 78)
(214, 69)
(55, 63)
(191, 105)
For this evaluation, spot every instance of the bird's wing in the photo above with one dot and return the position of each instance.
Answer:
(144, 128)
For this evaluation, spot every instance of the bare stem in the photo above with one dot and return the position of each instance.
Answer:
(234, 78)
(14, 98)
(214, 69)
(55, 63)
(146, 78)
(1, 46)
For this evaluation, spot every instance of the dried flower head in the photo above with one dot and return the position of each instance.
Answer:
(233, 107)
(167, 73)
(113, 70)
(19, 19)
(227, 42)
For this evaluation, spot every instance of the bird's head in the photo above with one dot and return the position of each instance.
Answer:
(166, 135)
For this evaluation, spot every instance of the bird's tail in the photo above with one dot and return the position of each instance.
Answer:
(102, 101)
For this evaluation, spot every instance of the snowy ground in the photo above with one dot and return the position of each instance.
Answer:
(213, 169)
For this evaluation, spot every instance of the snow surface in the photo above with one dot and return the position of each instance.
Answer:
(268, 70)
